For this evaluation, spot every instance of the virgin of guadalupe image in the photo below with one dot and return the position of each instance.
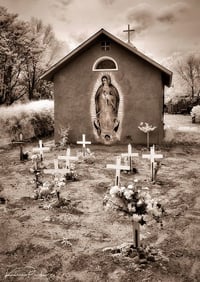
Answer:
(106, 104)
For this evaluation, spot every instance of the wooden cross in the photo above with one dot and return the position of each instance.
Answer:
(68, 158)
(136, 234)
(37, 177)
(118, 167)
(56, 169)
(35, 162)
(20, 142)
(41, 150)
(37, 169)
(130, 155)
(129, 32)
(152, 156)
(83, 142)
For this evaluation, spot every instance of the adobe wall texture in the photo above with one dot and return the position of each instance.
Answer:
(139, 85)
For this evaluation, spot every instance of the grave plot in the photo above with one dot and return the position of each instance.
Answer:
(70, 174)
(133, 200)
(41, 149)
(83, 143)
(118, 167)
(128, 158)
(51, 181)
(85, 155)
(154, 164)
(92, 242)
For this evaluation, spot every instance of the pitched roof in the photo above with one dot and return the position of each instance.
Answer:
(48, 75)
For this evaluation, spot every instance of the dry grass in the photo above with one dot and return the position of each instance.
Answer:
(179, 129)
(33, 119)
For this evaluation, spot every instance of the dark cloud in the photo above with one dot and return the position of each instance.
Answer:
(167, 17)
(62, 18)
(65, 2)
(59, 8)
(107, 2)
(172, 13)
(142, 17)
(62, 4)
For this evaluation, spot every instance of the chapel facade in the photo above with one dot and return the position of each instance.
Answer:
(105, 88)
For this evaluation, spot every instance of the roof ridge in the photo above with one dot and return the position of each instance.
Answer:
(49, 73)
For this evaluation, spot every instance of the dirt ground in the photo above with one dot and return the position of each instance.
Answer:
(39, 242)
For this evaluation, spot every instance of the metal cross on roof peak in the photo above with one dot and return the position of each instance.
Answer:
(129, 30)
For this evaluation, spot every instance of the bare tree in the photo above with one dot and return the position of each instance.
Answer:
(189, 71)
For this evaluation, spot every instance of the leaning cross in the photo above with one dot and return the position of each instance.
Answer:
(41, 150)
(129, 32)
(68, 158)
(83, 142)
(56, 169)
(118, 168)
(20, 142)
(130, 155)
(152, 156)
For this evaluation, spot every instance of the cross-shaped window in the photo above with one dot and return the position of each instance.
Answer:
(105, 45)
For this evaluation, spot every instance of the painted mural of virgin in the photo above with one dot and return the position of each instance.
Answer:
(106, 104)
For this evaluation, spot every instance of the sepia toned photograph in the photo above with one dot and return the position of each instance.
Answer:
(99, 141)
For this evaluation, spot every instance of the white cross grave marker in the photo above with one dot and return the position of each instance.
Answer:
(68, 158)
(130, 155)
(83, 142)
(41, 150)
(56, 169)
(118, 168)
(152, 156)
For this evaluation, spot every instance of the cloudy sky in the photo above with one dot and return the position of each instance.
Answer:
(163, 28)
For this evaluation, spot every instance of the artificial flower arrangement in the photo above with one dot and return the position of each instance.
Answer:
(146, 128)
(72, 175)
(50, 188)
(134, 201)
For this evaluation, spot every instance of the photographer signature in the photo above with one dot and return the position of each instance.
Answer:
(25, 271)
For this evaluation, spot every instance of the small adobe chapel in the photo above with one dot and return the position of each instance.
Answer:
(105, 88)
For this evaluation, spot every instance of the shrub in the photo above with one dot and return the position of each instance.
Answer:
(35, 119)
(195, 113)
(64, 136)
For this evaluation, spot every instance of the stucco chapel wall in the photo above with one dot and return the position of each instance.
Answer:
(139, 85)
